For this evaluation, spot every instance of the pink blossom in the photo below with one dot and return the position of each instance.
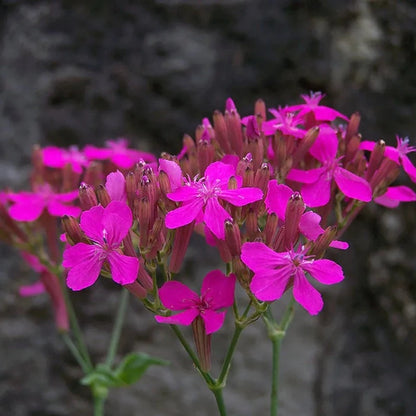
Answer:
(56, 157)
(316, 190)
(394, 195)
(398, 154)
(276, 201)
(174, 172)
(116, 186)
(106, 227)
(118, 152)
(201, 197)
(217, 292)
(286, 122)
(274, 272)
(320, 112)
(28, 206)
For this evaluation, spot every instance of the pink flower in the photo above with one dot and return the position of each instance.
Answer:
(285, 122)
(274, 272)
(56, 157)
(30, 205)
(217, 292)
(106, 227)
(118, 152)
(394, 195)
(276, 201)
(398, 154)
(321, 112)
(316, 190)
(115, 185)
(201, 199)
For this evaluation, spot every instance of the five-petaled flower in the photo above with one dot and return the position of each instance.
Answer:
(201, 199)
(217, 292)
(274, 273)
(106, 228)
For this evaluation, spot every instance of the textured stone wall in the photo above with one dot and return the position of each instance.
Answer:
(74, 72)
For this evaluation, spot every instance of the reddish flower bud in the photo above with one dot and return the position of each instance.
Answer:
(94, 174)
(202, 343)
(221, 133)
(102, 195)
(294, 210)
(376, 157)
(233, 238)
(72, 229)
(87, 197)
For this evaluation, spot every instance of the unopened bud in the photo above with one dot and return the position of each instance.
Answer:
(294, 210)
(271, 227)
(252, 227)
(304, 145)
(260, 109)
(102, 195)
(72, 229)
(233, 237)
(221, 134)
(202, 343)
(352, 128)
(131, 189)
(323, 241)
(87, 197)
(94, 174)
(376, 158)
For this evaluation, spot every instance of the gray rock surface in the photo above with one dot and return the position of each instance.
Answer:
(74, 72)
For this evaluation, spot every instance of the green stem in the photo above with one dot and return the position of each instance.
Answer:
(208, 379)
(75, 352)
(220, 401)
(276, 332)
(99, 405)
(275, 375)
(118, 325)
(227, 362)
(76, 329)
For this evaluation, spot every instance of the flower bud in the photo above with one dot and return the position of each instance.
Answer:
(202, 343)
(72, 229)
(221, 133)
(131, 189)
(233, 237)
(87, 197)
(102, 195)
(260, 109)
(323, 241)
(294, 210)
(304, 145)
(376, 158)
(233, 123)
(94, 174)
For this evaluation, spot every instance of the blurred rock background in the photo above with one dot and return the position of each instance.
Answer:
(77, 72)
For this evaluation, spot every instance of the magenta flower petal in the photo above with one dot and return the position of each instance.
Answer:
(177, 296)
(324, 113)
(259, 258)
(219, 171)
(116, 186)
(326, 144)
(317, 194)
(367, 145)
(218, 289)
(34, 289)
(185, 214)
(394, 195)
(306, 295)
(409, 168)
(213, 320)
(306, 176)
(174, 172)
(309, 225)
(57, 209)
(270, 284)
(182, 318)
(183, 194)
(67, 196)
(124, 268)
(84, 263)
(277, 198)
(352, 185)
(91, 223)
(341, 245)
(324, 271)
(242, 196)
(215, 216)
(117, 220)
(27, 207)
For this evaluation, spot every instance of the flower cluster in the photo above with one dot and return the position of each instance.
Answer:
(272, 194)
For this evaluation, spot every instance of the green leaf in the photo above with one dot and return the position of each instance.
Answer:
(134, 366)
